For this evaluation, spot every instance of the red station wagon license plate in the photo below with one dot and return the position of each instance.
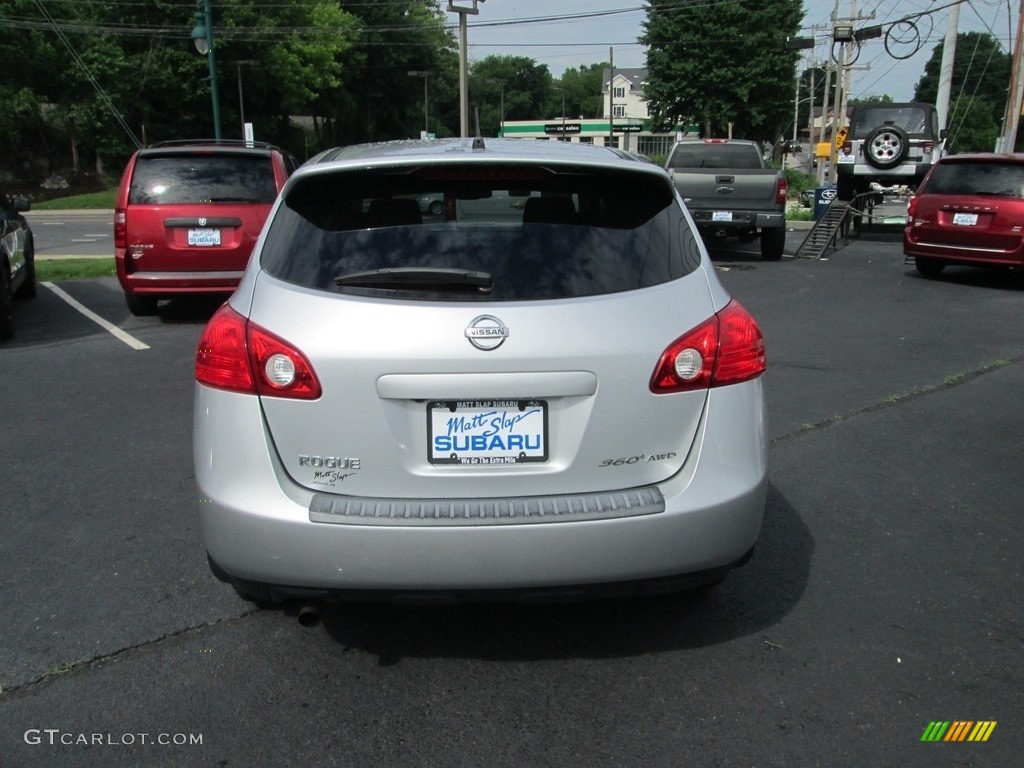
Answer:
(203, 238)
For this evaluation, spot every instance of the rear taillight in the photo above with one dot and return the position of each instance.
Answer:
(927, 146)
(911, 207)
(780, 192)
(726, 349)
(120, 228)
(240, 356)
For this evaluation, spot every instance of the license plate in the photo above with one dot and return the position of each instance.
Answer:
(965, 219)
(204, 237)
(487, 432)
(721, 215)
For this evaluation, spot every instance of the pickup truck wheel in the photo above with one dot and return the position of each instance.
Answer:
(886, 147)
(773, 243)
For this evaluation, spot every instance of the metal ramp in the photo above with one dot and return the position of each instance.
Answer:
(823, 233)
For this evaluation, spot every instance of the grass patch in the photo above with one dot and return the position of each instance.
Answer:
(91, 200)
(73, 269)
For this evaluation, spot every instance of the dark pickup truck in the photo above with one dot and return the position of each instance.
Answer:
(730, 191)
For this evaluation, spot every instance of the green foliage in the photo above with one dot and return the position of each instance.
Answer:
(527, 88)
(48, 270)
(977, 92)
(582, 88)
(716, 64)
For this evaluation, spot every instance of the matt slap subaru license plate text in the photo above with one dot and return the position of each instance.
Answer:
(487, 432)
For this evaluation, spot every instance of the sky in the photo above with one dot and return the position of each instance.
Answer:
(571, 33)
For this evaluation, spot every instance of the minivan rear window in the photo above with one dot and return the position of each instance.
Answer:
(537, 233)
(175, 179)
(977, 178)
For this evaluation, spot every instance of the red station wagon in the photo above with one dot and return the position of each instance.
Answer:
(188, 214)
(969, 210)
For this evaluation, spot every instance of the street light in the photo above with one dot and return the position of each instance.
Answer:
(462, 10)
(426, 97)
(241, 96)
(202, 36)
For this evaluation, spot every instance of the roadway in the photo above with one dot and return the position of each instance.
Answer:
(884, 593)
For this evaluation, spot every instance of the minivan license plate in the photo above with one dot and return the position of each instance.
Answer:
(965, 219)
(487, 432)
(203, 237)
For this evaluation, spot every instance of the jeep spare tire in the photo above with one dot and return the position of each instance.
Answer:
(886, 147)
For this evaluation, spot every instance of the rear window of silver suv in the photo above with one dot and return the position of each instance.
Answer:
(536, 233)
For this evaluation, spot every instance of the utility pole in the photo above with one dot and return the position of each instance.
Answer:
(1015, 92)
(946, 67)
(463, 10)
(611, 94)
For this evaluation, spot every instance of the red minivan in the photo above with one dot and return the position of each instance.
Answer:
(969, 210)
(188, 214)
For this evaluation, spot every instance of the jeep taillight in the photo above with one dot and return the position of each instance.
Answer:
(781, 190)
(847, 147)
(726, 349)
(238, 355)
(927, 146)
(120, 228)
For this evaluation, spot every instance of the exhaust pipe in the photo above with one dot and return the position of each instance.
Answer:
(309, 615)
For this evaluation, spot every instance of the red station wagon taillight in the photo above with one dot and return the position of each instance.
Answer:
(240, 356)
(120, 228)
(726, 349)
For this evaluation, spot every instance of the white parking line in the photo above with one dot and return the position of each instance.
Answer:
(127, 338)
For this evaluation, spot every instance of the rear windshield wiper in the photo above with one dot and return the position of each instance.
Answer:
(438, 278)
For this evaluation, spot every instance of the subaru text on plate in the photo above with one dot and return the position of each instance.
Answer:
(543, 392)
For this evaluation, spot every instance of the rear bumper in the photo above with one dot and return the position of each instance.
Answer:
(742, 221)
(257, 528)
(175, 283)
(899, 174)
(919, 244)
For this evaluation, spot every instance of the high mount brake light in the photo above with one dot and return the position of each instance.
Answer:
(483, 173)
(725, 349)
(240, 356)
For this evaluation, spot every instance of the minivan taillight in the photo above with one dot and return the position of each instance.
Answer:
(120, 228)
(240, 356)
(726, 349)
(911, 208)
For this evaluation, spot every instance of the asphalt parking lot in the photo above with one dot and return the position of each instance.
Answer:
(885, 593)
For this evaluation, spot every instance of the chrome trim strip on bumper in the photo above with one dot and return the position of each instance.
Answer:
(973, 249)
(233, 275)
(513, 510)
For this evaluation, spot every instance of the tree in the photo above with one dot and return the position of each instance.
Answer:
(582, 88)
(977, 92)
(527, 86)
(722, 64)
